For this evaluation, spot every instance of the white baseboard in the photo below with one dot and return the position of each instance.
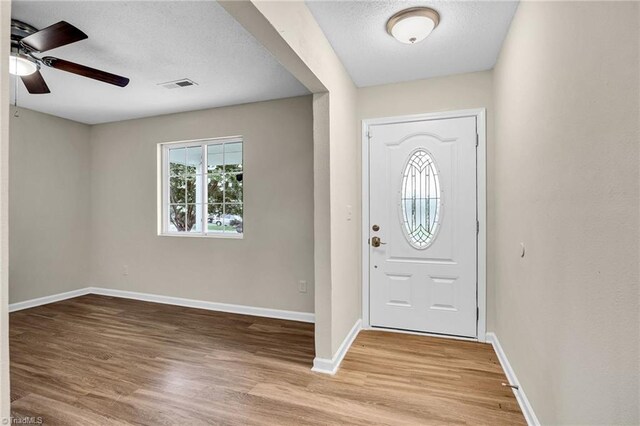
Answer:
(210, 306)
(525, 406)
(32, 303)
(330, 366)
(168, 300)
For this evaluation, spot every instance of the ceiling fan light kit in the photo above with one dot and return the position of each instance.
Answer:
(20, 64)
(27, 42)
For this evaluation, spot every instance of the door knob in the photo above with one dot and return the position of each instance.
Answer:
(375, 242)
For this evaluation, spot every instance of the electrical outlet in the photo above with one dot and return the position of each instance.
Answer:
(302, 286)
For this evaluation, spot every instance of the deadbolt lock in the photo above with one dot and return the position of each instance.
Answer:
(376, 228)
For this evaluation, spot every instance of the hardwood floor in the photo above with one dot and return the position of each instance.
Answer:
(97, 360)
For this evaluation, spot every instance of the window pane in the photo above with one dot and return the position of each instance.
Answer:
(233, 188)
(192, 189)
(176, 218)
(194, 218)
(214, 220)
(194, 160)
(214, 188)
(177, 188)
(233, 216)
(177, 161)
(233, 157)
(214, 158)
(214, 208)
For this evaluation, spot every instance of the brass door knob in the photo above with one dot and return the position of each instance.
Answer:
(375, 242)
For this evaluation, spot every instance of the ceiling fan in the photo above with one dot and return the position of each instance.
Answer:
(27, 41)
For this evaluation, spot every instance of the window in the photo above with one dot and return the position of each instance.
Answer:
(420, 199)
(202, 188)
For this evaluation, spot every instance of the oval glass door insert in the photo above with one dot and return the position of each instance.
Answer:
(420, 199)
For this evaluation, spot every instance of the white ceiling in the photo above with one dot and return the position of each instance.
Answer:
(469, 38)
(152, 42)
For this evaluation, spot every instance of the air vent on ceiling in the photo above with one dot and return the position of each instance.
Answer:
(185, 82)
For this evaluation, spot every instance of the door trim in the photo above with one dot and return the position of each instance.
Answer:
(481, 197)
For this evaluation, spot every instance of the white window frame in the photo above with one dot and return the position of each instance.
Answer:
(163, 187)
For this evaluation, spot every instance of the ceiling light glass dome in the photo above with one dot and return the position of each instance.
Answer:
(413, 25)
(21, 65)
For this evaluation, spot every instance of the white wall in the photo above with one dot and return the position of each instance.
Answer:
(291, 34)
(298, 27)
(461, 91)
(567, 185)
(261, 270)
(5, 25)
(563, 179)
(49, 205)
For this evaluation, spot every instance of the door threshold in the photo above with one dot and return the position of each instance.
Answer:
(424, 333)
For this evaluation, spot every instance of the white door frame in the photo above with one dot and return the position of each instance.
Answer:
(481, 170)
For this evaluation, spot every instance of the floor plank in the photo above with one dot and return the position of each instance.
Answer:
(103, 360)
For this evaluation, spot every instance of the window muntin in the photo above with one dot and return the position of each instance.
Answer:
(203, 188)
(420, 199)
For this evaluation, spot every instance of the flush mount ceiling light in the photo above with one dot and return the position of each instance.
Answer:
(20, 64)
(413, 25)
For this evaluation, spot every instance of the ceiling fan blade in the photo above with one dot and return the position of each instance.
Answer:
(85, 71)
(35, 83)
(56, 35)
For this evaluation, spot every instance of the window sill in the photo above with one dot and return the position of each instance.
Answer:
(214, 236)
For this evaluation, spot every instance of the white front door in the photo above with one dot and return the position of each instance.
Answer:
(423, 226)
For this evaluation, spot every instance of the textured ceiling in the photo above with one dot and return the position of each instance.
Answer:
(469, 38)
(152, 42)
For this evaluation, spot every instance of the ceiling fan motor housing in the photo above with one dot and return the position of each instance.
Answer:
(20, 30)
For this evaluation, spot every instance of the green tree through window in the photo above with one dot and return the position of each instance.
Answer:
(205, 188)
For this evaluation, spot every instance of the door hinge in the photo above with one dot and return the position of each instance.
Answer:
(477, 140)
(369, 135)
(477, 314)
(477, 227)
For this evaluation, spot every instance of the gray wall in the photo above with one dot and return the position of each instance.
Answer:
(261, 270)
(49, 205)
(338, 301)
(563, 179)
(83, 208)
(5, 25)
(566, 184)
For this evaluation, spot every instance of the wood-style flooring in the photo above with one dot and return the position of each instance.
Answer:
(97, 360)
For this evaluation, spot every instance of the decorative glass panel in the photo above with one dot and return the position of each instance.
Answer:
(420, 199)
